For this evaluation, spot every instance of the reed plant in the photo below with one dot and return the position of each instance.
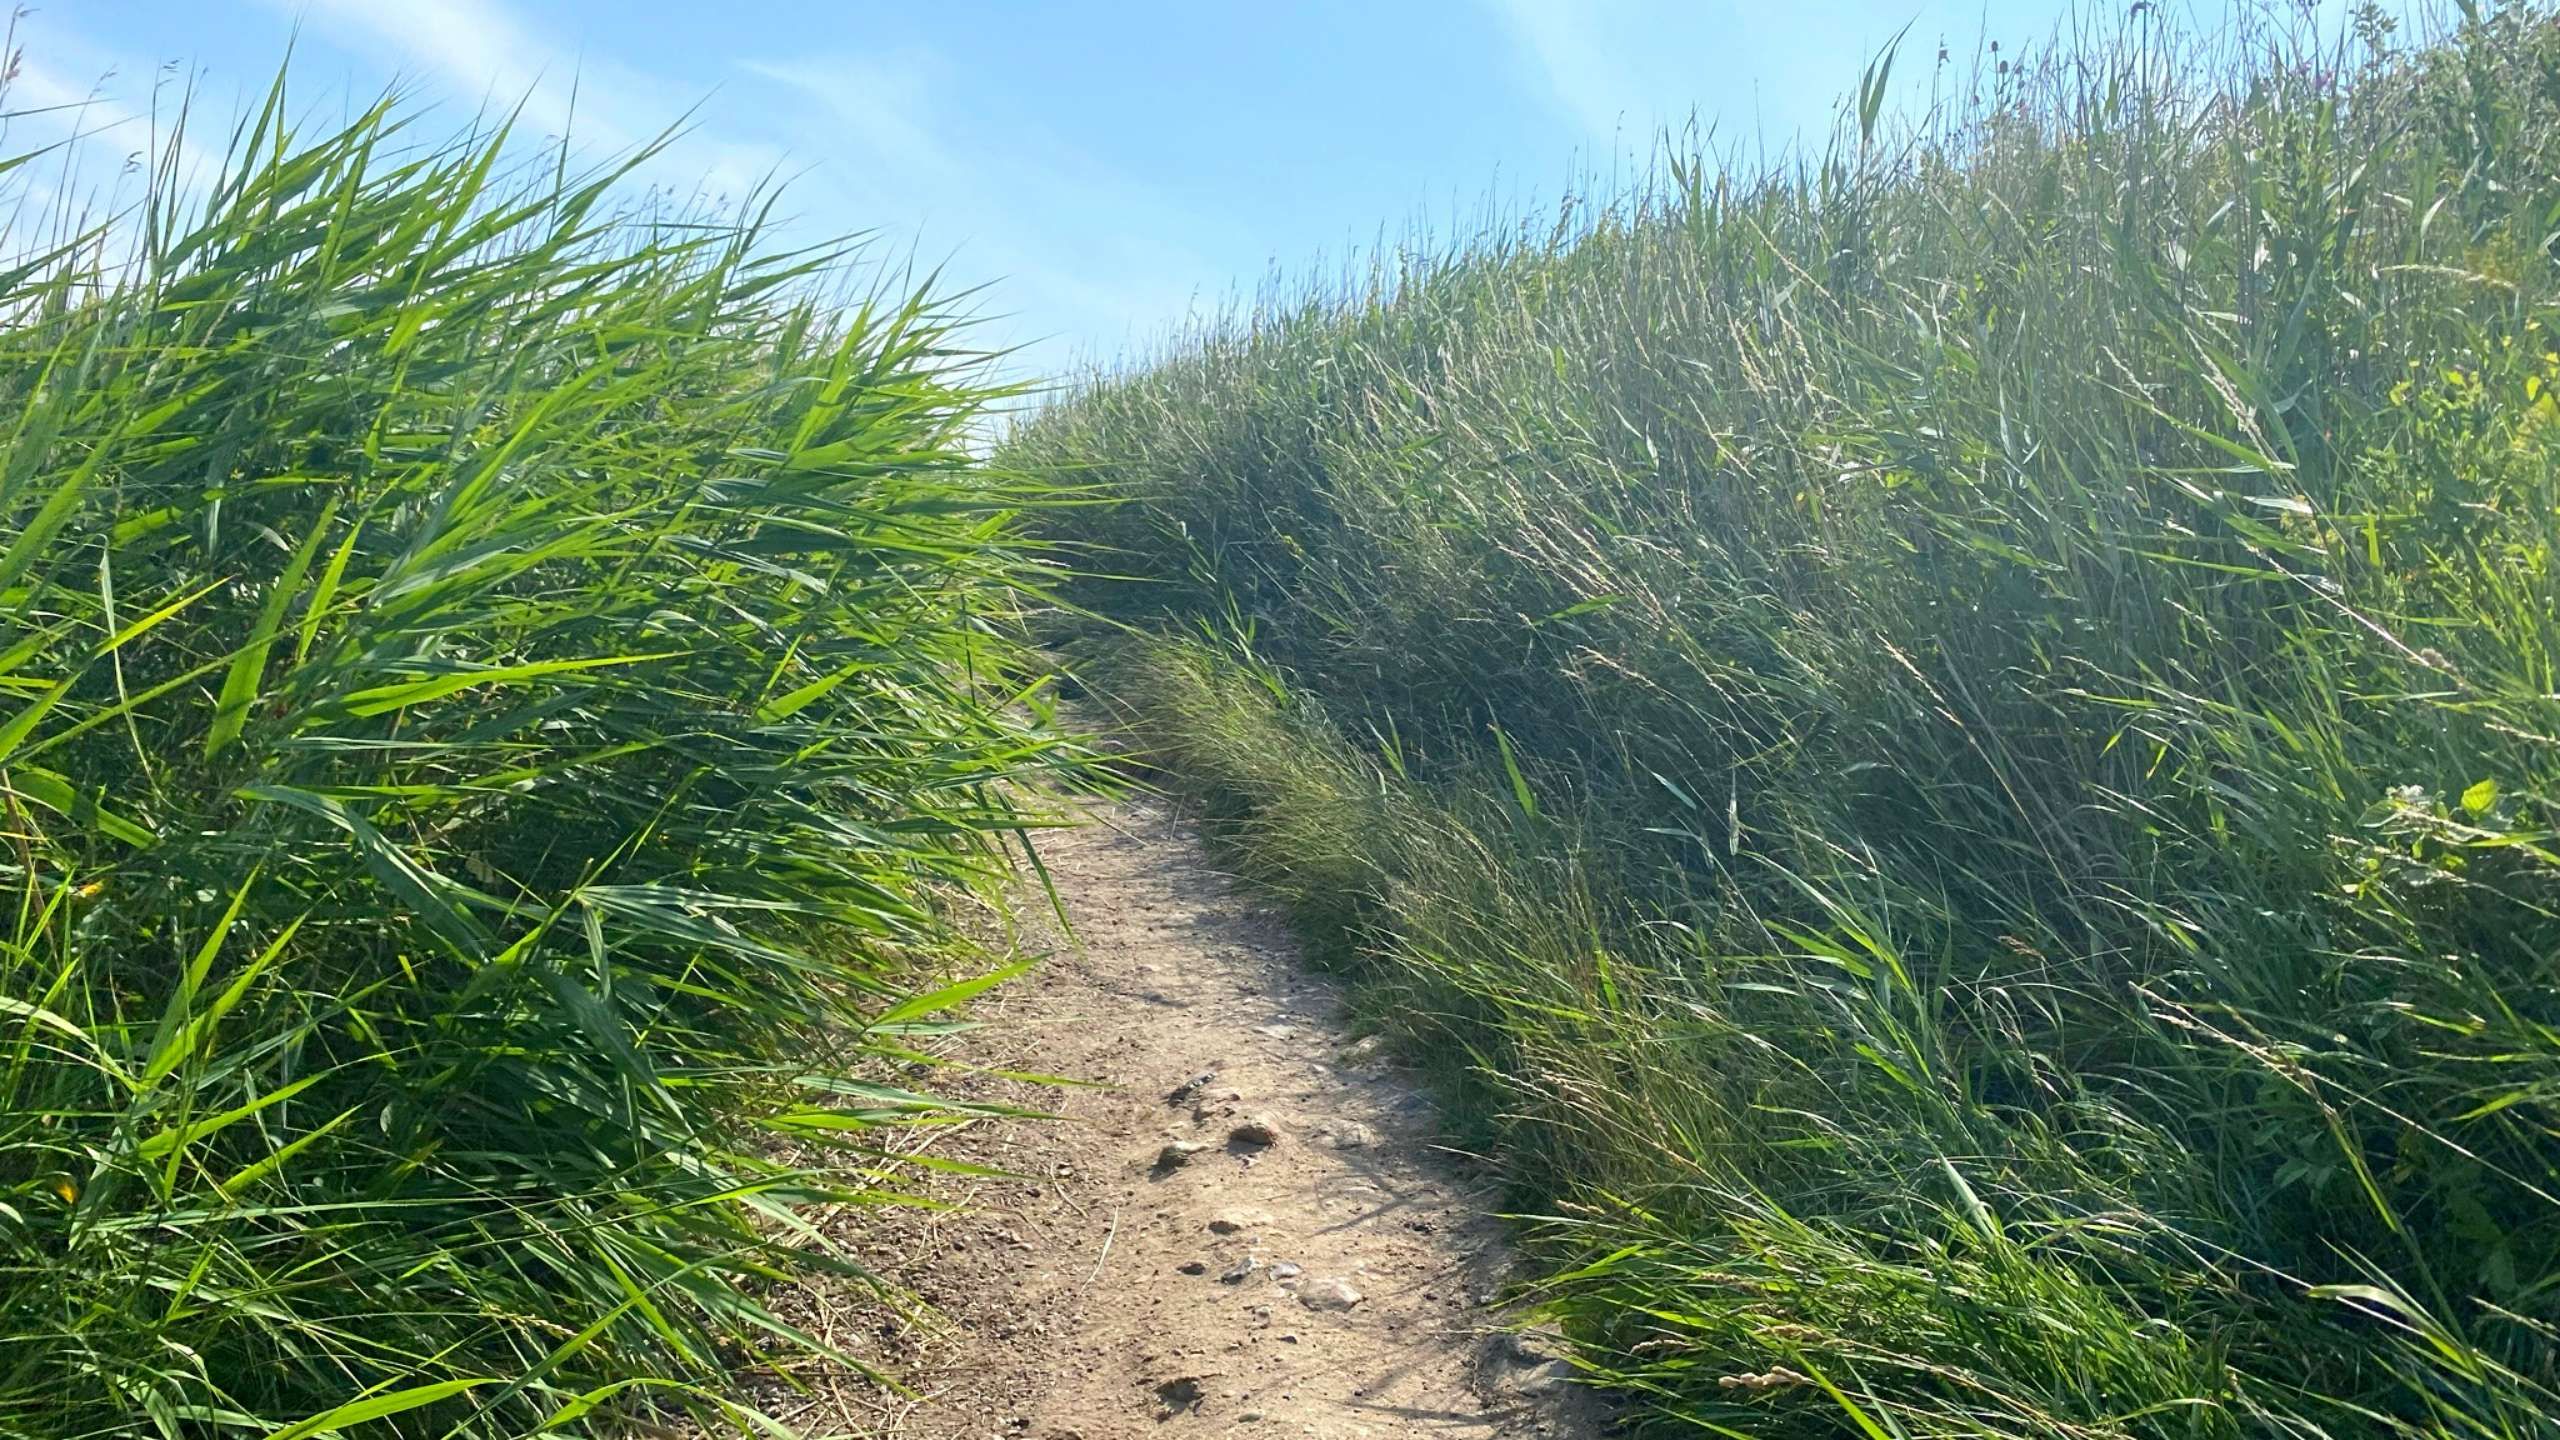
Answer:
(501, 682)
(1949, 744)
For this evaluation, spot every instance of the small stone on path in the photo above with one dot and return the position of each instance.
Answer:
(1179, 1395)
(1334, 1294)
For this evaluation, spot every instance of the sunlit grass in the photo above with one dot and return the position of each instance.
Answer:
(1952, 746)
(492, 681)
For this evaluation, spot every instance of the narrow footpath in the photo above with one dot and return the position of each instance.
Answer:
(1241, 1226)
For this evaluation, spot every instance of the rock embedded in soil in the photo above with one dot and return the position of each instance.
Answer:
(1531, 1347)
(1236, 1222)
(1179, 1395)
(1335, 1294)
(1367, 1050)
(1548, 1379)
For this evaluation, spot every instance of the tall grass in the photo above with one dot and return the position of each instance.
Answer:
(1959, 737)
(493, 680)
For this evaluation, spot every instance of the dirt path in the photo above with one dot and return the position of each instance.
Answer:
(1164, 1272)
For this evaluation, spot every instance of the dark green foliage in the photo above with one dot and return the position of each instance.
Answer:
(1963, 736)
(491, 683)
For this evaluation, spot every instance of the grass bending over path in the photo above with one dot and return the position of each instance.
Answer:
(1959, 740)
(491, 682)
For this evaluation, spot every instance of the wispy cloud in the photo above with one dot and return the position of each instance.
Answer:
(482, 51)
(1085, 255)
(105, 122)
(1620, 71)
(1561, 39)
(1081, 257)
(485, 53)
(877, 102)
(869, 139)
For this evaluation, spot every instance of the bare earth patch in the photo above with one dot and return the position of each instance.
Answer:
(1242, 1227)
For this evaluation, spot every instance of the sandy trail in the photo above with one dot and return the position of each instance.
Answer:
(1330, 1283)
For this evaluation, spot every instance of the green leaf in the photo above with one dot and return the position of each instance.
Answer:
(162, 1142)
(920, 1006)
(383, 699)
(376, 1407)
(1520, 795)
(55, 792)
(249, 666)
(252, 1174)
(15, 730)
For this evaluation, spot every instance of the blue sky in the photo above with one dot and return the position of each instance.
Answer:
(1107, 167)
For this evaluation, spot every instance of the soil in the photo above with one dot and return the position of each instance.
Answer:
(1239, 1223)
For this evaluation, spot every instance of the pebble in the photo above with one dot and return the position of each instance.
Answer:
(1529, 1347)
(1551, 1378)
(1366, 1050)
(1332, 1294)
(1179, 1395)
